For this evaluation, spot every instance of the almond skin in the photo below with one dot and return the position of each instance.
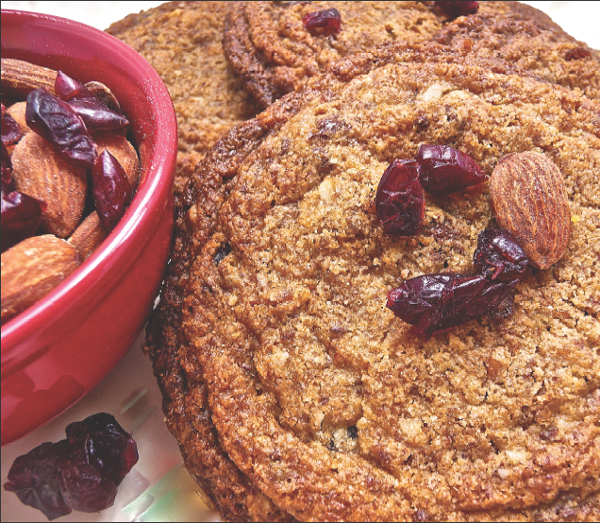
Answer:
(19, 78)
(88, 236)
(32, 268)
(530, 199)
(39, 172)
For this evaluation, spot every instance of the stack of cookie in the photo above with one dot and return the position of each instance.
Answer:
(294, 392)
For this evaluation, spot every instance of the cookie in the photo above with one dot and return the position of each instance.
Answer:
(272, 52)
(182, 41)
(528, 38)
(326, 401)
(187, 413)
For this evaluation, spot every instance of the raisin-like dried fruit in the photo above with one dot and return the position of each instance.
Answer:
(326, 22)
(81, 472)
(11, 130)
(458, 8)
(95, 114)
(435, 303)
(58, 123)
(111, 190)
(107, 446)
(33, 479)
(446, 170)
(21, 215)
(400, 201)
(499, 256)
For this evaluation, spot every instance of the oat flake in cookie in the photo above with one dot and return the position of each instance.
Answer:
(321, 397)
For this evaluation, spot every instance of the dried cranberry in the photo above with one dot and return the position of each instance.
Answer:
(95, 114)
(111, 190)
(21, 215)
(58, 123)
(6, 165)
(107, 446)
(446, 170)
(81, 472)
(11, 130)
(400, 202)
(33, 479)
(68, 88)
(82, 485)
(458, 8)
(577, 53)
(499, 255)
(326, 22)
(435, 303)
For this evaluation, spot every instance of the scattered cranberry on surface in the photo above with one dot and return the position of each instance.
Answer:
(458, 8)
(435, 303)
(446, 170)
(326, 22)
(499, 256)
(58, 123)
(80, 473)
(400, 202)
(111, 190)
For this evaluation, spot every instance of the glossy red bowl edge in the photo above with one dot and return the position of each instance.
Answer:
(93, 312)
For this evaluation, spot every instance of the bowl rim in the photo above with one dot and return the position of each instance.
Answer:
(152, 192)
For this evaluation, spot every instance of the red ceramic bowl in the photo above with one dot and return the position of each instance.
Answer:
(60, 348)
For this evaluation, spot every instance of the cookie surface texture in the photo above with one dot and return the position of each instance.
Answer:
(325, 400)
(182, 41)
(272, 52)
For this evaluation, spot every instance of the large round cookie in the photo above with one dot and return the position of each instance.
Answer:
(271, 51)
(326, 401)
(182, 41)
(178, 373)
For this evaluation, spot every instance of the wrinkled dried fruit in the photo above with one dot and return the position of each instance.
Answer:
(446, 170)
(499, 256)
(458, 8)
(56, 121)
(435, 303)
(111, 189)
(326, 22)
(33, 479)
(21, 216)
(108, 447)
(67, 88)
(81, 472)
(11, 130)
(400, 202)
(577, 53)
(6, 165)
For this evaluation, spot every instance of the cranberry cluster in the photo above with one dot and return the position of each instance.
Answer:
(435, 303)
(81, 472)
(65, 120)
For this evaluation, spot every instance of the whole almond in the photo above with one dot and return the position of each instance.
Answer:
(88, 236)
(105, 95)
(32, 268)
(19, 77)
(39, 172)
(124, 152)
(530, 199)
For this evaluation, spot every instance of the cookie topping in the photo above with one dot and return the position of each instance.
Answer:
(446, 170)
(458, 8)
(326, 22)
(499, 256)
(435, 303)
(400, 202)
